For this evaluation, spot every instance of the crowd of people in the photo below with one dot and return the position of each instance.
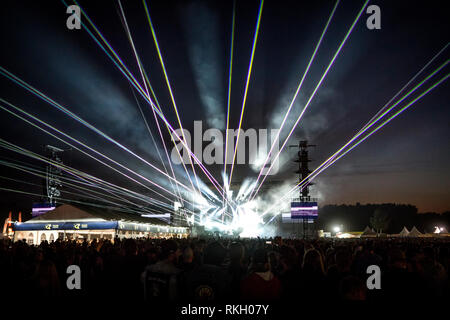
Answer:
(196, 269)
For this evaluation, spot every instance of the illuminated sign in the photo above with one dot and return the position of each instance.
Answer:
(304, 210)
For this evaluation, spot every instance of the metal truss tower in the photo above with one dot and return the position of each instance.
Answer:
(53, 183)
(303, 172)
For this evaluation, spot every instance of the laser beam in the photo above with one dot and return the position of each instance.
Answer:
(312, 96)
(244, 100)
(296, 93)
(317, 170)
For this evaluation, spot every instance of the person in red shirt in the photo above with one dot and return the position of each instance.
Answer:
(261, 284)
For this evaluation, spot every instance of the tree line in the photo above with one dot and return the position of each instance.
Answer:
(386, 217)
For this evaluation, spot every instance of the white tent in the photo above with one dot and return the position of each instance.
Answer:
(414, 232)
(438, 230)
(90, 222)
(404, 232)
(368, 232)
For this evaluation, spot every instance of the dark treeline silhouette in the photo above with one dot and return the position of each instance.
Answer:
(396, 216)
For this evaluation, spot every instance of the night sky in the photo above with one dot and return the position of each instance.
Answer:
(405, 162)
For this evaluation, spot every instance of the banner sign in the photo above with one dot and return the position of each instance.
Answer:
(96, 225)
(91, 225)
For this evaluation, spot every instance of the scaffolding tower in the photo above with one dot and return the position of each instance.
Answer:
(303, 172)
(53, 183)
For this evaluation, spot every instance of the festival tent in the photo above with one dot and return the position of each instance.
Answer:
(83, 222)
(368, 232)
(404, 232)
(414, 232)
(438, 230)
